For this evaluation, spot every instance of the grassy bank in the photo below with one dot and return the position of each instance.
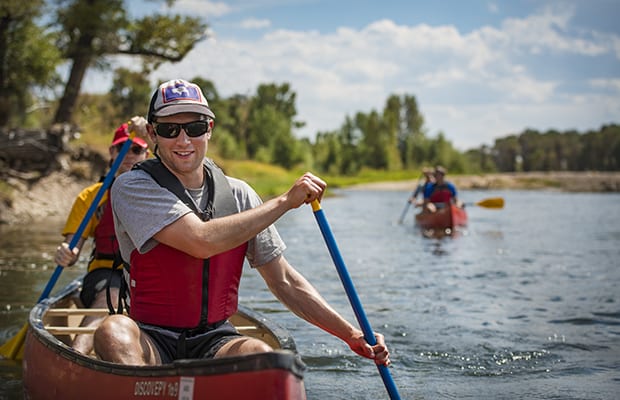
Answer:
(270, 180)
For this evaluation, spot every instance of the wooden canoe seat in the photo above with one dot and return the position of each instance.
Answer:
(65, 312)
(78, 330)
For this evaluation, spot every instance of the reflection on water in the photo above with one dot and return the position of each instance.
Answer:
(26, 264)
(523, 303)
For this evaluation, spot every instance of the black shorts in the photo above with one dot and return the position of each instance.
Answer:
(173, 345)
(96, 280)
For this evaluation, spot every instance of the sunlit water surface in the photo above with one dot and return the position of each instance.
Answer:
(524, 303)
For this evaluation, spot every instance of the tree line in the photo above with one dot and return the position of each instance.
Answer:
(594, 150)
(261, 126)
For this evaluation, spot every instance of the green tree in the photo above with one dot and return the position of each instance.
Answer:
(374, 140)
(532, 150)
(327, 153)
(611, 137)
(130, 93)
(270, 129)
(237, 121)
(28, 59)
(480, 160)
(394, 127)
(601, 149)
(412, 140)
(91, 30)
(507, 153)
(348, 148)
(442, 152)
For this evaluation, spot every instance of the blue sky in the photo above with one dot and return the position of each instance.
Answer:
(478, 69)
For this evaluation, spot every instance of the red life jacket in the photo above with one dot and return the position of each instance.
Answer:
(172, 289)
(168, 287)
(441, 194)
(106, 245)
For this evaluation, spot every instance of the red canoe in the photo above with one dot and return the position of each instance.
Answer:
(53, 370)
(444, 220)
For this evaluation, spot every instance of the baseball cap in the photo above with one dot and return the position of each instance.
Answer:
(122, 134)
(178, 96)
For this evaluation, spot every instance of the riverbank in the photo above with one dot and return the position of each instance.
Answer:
(562, 181)
(53, 195)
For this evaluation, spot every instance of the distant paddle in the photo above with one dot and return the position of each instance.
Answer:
(352, 294)
(13, 349)
(413, 195)
(402, 215)
(492, 202)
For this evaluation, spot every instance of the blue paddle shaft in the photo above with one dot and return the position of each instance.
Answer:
(353, 297)
(89, 214)
(345, 278)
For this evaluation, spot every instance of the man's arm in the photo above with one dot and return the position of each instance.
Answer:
(453, 191)
(203, 239)
(296, 293)
(66, 257)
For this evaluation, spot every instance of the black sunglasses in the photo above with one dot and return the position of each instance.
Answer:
(171, 130)
(137, 150)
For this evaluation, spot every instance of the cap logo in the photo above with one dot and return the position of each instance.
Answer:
(180, 92)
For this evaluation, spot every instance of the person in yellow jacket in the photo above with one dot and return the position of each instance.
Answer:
(101, 228)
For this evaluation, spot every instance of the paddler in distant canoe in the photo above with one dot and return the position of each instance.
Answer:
(429, 179)
(440, 193)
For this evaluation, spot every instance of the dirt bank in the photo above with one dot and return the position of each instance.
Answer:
(52, 196)
(49, 197)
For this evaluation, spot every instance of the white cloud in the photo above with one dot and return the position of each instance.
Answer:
(253, 23)
(209, 9)
(608, 84)
(473, 87)
(549, 30)
(520, 87)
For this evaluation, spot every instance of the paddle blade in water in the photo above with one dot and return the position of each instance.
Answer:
(13, 349)
(494, 202)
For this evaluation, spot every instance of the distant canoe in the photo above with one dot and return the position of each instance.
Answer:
(53, 370)
(444, 221)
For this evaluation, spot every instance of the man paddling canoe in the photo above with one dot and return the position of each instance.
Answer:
(185, 229)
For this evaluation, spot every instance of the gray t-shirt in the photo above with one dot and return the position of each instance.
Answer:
(142, 208)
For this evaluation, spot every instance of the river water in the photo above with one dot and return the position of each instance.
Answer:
(523, 303)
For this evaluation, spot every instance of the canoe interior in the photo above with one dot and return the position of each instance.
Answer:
(52, 369)
(62, 319)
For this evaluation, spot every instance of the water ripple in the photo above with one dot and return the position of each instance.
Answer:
(585, 321)
(563, 346)
(490, 364)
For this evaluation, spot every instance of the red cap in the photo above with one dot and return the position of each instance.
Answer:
(122, 134)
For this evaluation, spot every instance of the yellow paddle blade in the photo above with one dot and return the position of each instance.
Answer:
(493, 202)
(13, 349)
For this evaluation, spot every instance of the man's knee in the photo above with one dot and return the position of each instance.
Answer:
(115, 329)
(243, 345)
